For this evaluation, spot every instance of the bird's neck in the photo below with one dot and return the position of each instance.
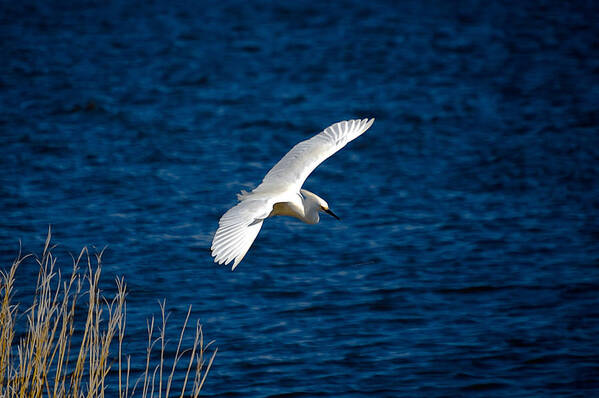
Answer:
(311, 208)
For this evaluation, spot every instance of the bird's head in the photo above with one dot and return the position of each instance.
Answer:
(322, 205)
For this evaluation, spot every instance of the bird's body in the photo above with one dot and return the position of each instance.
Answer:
(280, 192)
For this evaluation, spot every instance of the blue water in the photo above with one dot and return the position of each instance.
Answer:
(467, 259)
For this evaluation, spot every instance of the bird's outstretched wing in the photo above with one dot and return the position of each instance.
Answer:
(293, 169)
(237, 229)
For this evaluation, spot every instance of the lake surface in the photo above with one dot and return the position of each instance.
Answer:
(467, 259)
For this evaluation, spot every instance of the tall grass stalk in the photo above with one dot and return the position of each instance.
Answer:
(47, 362)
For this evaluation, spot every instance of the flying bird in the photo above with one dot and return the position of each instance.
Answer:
(281, 193)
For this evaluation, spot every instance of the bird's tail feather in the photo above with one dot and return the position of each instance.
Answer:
(242, 195)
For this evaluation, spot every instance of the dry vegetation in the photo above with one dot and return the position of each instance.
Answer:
(72, 339)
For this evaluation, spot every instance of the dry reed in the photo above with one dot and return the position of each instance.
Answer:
(48, 362)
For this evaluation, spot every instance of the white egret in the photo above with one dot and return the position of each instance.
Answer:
(280, 192)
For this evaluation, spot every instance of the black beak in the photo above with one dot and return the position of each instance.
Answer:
(328, 211)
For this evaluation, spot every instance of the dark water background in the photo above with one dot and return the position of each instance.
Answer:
(467, 261)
